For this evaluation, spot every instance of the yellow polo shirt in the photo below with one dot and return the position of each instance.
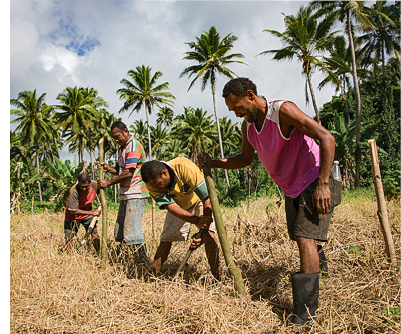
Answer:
(188, 188)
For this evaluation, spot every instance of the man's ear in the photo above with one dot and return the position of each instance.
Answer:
(250, 94)
(164, 173)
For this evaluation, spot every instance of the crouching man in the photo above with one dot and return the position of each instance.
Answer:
(79, 211)
(179, 187)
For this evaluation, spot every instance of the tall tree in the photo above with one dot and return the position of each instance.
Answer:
(339, 65)
(196, 131)
(33, 116)
(77, 114)
(211, 55)
(165, 116)
(139, 129)
(159, 137)
(384, 38)
(304, 39)
(346, 12)
(143, 91)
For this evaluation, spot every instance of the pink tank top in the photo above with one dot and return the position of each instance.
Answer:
(293, 163)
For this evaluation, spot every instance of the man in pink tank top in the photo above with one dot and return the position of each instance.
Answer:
(284, 138)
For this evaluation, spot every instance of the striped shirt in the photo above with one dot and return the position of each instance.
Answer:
(132, 155)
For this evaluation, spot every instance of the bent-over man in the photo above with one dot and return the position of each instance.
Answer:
(284, 138)
(179, 187)
(79, 211)
(133, 192)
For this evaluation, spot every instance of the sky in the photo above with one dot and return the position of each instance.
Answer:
(94, 43)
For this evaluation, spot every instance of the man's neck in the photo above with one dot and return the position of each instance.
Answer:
(171, 173)
(261, 114)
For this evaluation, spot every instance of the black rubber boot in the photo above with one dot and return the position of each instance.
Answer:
(324, 269)
(305, 293)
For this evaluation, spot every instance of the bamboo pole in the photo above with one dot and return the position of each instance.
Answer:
(221, 232)
(103, 202)
(381, 202)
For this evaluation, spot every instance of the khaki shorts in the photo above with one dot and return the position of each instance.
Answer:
(302, 217)
(175, 229)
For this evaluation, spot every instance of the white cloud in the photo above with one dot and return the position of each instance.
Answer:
(150, 33)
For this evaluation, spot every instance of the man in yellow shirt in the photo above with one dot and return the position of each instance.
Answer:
(179, 187)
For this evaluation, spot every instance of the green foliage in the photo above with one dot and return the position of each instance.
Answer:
(63, 176)
(391, 183)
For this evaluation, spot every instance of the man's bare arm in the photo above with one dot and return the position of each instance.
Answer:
(177, 211)
(80, 212)
(126, 174)
(239, 161)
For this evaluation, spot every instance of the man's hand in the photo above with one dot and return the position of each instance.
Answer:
(101, 183)
(204, 222)
(105, 167)
(202, 158)
(196, 243)
(321, 197)
(96, 213)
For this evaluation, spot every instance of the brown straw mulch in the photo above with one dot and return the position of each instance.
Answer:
(52, 291)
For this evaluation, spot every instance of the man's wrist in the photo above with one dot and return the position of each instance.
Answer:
(322, 181)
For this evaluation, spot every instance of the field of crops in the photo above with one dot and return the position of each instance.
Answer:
(52, 291)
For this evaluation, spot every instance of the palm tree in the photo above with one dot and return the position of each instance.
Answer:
(304, 39)
(346, 11)
(139, 129)
(339, 68)
(166, 116)
(231, 135)
(174, 149)
(195, 131)
(143, 92)
(384, 38)
(159, 139)
(78, 113)
(33, 116)
(211, 55)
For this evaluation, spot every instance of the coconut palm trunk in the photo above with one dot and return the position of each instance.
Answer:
(37, 168)
(344, 93)
(218, 131)
(358, 103)
(312, 94)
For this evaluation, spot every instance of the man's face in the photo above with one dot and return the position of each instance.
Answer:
(121, 138)
(84, 186)
(160, 184)
(243, 107)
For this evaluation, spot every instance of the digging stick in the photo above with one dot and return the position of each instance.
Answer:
(381, 202)
(103, 202)
(221, 232)
(198, 235)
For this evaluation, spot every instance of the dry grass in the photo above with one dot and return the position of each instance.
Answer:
(55, 292)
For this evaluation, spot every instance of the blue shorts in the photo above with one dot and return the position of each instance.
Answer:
(128, 227)
(71, 228)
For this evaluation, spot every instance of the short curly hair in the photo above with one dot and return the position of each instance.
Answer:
(238, 87)
(152, 170)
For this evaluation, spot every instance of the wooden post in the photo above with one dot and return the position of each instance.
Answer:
(381, 202)
(103, 202)
(221, 232)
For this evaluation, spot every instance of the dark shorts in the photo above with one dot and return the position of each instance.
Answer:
(71, 228)
(302, 217)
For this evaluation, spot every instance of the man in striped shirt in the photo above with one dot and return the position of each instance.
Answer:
(133, 192)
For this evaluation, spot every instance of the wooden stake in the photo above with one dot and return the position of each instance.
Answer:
(221, 232)
(103, 202)
(381, 202)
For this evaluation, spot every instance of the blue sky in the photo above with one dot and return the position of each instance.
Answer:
(94, 43)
